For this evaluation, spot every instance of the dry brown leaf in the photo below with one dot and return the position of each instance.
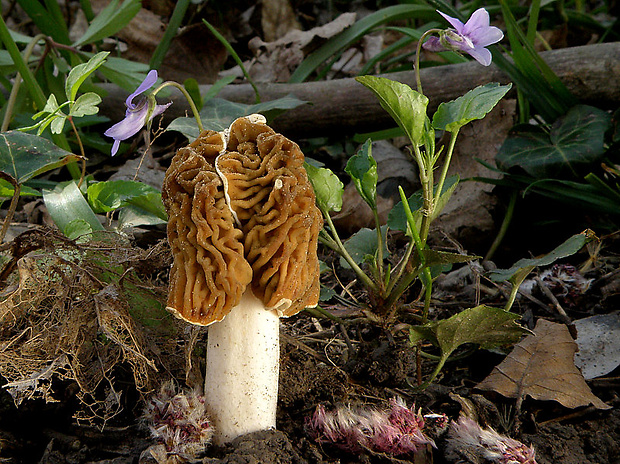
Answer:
(275, 61)
(542, 366)
(277, 19)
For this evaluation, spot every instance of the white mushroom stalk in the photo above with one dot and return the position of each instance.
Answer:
(243, 228)
(241, 380)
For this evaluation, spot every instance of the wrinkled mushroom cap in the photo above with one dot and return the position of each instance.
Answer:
(242, 213)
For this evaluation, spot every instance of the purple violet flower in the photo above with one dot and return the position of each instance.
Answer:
(471, 37)
(136, 113)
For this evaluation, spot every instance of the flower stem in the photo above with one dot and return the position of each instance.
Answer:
(186, 94)
(417, 57)
(79, 140)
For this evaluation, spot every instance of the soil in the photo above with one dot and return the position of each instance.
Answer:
(357, 362)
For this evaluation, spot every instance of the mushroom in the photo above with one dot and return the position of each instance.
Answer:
(243, 228)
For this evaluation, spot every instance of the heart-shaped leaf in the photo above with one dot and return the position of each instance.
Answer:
(111, 195)
(362, 246)
(484, 326)
(406, 106)
(575, 140)
(523, 267)
(475, 104)
(25, 156)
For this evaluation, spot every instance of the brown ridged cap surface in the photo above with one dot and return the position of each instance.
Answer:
(270, 241)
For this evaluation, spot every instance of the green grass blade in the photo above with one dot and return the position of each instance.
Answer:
(171, 31)
(351, 35)
(53, 8)
(111, 20)
(45, 21)
(33, 87)
(383, 54)
(87, 9)
(545, 90)
(533, 21)
(233, 53)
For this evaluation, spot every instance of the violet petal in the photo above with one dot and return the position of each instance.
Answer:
(146, 84)
(456, 23)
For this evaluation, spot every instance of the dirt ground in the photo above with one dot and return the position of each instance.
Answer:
(355, 363)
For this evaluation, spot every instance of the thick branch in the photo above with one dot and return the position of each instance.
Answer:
(344, 106)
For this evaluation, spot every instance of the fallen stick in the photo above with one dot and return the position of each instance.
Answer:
(343, 106)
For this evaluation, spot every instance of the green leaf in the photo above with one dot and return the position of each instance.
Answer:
(51, 106)
(111, 20)
(217, 114)
(66, 204)
(124, 73)
(110, 195)
(530, 73)
(440, 258)
(191, 85)
(397, 219)
(85, 105)
(273, 108)
(58, 124)
(575, 140)
(80, 73)
(484, 326)
(77, 228)
(475, 104)
(362, 168)
(6, 190)
(568, 248)
(362, 246)
(47, 23)
(327, 188)
(25, 156)
(406, 106)
(216, 87)
(143, 211)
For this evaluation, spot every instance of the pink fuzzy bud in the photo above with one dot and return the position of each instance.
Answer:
(467, 439)
(396, 431)
(178, 421)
